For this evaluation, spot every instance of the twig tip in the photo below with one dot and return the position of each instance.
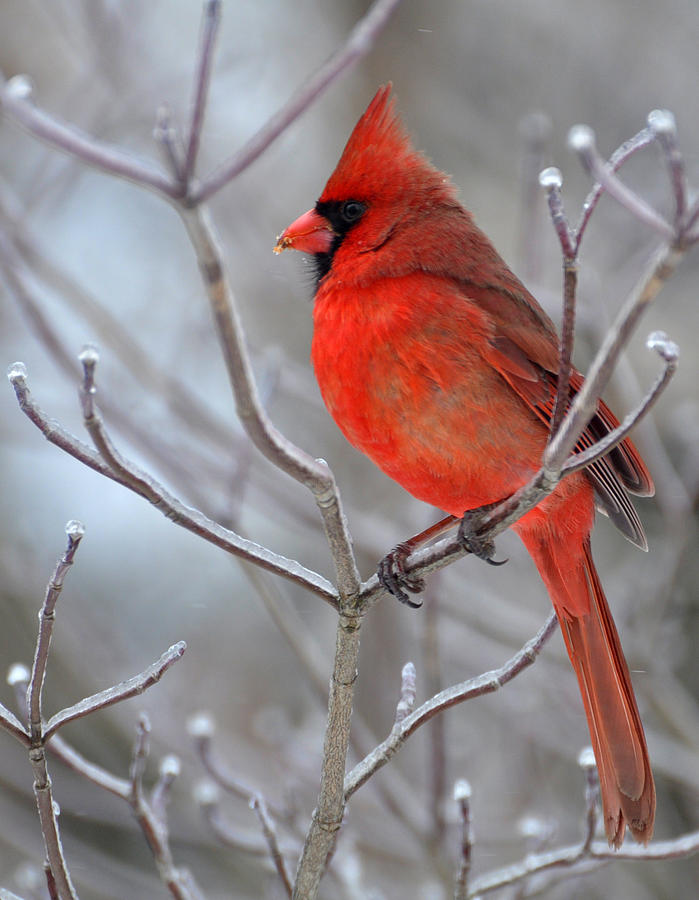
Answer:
(663, 346)
(75, 530)
(20, 87)
(18, 673)
(201, 726)
(586, 758)
(534, 827)
(462, 790)
(662, 123)
(170, 766)
(551, 178)
(17, 372)
(581, 139)
(89, 356)
(206, 794)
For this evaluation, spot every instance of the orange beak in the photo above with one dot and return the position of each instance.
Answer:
(310, 233)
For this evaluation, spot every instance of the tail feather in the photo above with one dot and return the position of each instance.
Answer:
(618, 739)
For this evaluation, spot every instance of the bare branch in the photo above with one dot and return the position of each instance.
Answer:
(207, 39)
(49, 826)
(314, 474)
(581, 140)
(258, 805)
(669, 351)
(201, 727)
(462, 796)
(178, 880)
(407, 692)
(47, 618)
(206, 795)
(586, 761)
(458, 693)
(123, 691)
(584, 404)
(661, 123)
(16, 101)
(94, 773)
(616, 161)
(18, 674)
(168, 771)
(552, 181)
(574, 857)
(168, 138)
(329, 811)
(359, 43)
(173, 509)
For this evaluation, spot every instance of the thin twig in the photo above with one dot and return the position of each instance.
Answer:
(358, 44)
(436, 735)
(661, 123)
(393, 789)
(211, 18)
(408, 678)
(177, 880)
(574, 856)
(581, 139)
(191, 519)
(166, 135)
(587, 763)
(124, 691)
(201, 727)
(616, 161)
(314, 474)
(168, 772)
(486, 683)
(16, 100)
(206, 795)
(552, 181)
(258, 805)
(584, 404)
(47, 618)
(462, 796)
(669, 351)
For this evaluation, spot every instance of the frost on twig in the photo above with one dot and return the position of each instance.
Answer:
(39, 735)
(119, 469)
(462, 798)
(201, 728)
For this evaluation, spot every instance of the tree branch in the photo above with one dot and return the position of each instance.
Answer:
(16, 100)
(209, 30)
(139, 482)
(358, 44)
(123, 691)
(486, 683)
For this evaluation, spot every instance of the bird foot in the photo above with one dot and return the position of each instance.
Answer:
(471, 540)
(394, 578)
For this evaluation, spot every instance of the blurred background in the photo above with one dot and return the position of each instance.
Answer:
(489, 91)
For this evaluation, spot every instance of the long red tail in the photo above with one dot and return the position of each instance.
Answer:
(618, 740)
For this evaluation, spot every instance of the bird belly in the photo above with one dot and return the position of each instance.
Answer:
(433, 415)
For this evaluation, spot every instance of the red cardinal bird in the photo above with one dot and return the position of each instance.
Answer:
(437, 362)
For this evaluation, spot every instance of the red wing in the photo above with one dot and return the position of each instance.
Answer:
(621, 470)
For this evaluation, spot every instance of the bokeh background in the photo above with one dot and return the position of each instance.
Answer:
(107, 263)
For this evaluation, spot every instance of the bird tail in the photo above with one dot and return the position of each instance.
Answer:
(592, 641)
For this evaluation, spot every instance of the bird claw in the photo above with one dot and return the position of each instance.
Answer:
(392, 575)
(468, 537)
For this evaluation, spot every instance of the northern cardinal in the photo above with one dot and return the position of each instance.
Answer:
(436, 361)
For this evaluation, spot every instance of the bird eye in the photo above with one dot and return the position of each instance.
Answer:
(352, 210)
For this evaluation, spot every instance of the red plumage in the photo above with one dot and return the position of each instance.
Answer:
(436, 362)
